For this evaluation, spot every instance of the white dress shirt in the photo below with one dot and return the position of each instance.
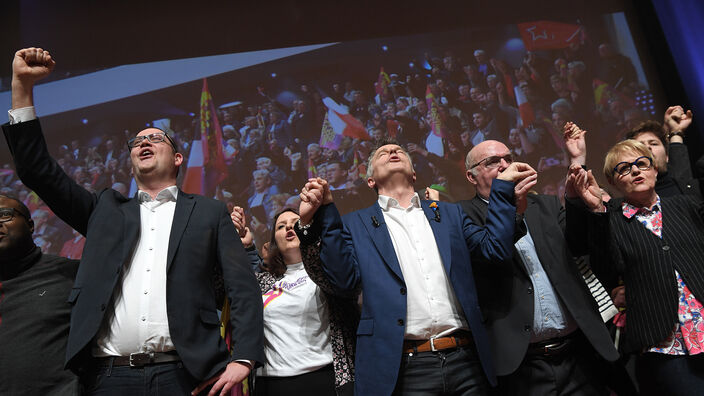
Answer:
(139, 322)
(432, 308)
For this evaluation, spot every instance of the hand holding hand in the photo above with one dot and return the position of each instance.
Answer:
(582, 184)
(521, 190)
(315, 193)
(432, 194)
(676, 119)
(233, 374)
(575, 143)
(516, 172)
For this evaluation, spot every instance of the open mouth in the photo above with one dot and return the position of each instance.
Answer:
(146, 154)
(638, 180)
(291, 235)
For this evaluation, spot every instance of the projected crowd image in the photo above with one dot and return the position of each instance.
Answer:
(437, 94)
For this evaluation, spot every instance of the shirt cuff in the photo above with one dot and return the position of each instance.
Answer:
(23, 114)
(249, 363)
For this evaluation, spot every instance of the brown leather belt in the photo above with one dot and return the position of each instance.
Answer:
(139, 359)
(436, 344)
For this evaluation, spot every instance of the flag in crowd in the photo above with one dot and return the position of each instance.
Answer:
(206, 163)
(339, 122)
(436, 123)
(603, 92)
(525, 109)
(382, 84)
(547, 35)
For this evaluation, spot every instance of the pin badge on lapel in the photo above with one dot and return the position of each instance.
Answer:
(436, 211)
(375, 222)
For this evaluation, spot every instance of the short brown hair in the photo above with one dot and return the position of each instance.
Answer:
(651, 126)
(620, 148)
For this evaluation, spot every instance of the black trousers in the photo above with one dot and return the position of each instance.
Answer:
(660, 374)
(320, 382)
(579, 371)
(449, 372)
(164, 379)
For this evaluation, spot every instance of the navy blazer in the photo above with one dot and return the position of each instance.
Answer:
(203, 243)
(358, 251)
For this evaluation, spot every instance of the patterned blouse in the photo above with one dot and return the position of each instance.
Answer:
(344, 315)
(687, 337)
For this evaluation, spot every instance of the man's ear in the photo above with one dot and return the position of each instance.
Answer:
(30, 222)
(178, 159)
(370, 182)
(470, 177)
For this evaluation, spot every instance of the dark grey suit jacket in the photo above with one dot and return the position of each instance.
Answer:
(203, 243)
(506, 298)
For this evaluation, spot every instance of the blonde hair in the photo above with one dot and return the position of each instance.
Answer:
(613, 156)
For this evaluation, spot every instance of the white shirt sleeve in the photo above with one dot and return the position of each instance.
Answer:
(23, 114)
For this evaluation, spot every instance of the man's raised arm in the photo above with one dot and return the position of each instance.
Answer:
(29, 66)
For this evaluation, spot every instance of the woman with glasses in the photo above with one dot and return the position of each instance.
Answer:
(309, 331)
(656, 244)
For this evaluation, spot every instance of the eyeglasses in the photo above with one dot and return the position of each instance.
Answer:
(494, 161)
(6, 214)
(642, 163)
(156, 137)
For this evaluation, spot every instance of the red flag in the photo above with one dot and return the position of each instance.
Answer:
(436, 123)
(544, 35)
(342, 122)
(524, 107)
(382, 84)
(214, 168)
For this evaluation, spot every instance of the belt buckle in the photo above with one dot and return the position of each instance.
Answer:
(432, 345)
(140, 359)
(547, 348)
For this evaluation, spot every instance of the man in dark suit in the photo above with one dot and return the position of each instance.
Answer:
(144, 315)
(543, 323)
(421, 330)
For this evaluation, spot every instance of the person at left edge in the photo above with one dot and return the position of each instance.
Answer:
(34, 315)
(144, 293)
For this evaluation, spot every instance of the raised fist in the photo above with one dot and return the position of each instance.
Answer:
(31, 65)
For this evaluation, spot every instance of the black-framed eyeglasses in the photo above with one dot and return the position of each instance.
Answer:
(494, 161)
(642, 163)
(156, 137)
(6, 214)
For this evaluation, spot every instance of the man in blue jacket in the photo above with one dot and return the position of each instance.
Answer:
(421, 330)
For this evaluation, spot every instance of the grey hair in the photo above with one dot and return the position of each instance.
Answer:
(468, 163)
(370, 166)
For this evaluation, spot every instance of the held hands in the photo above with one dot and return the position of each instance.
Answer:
(582, 184)
(233, 374)
(314, 194)
(239, 220)
(432, 194)
(676, 119)
(575, 143)
(525, 178)
(516, 172)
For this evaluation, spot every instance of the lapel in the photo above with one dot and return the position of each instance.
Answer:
(440, 232)
(182, 213)
(130, 228)
(380, 237)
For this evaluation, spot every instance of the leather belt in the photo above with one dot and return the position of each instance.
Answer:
(139, 359)
(554, 347)
(436, 344)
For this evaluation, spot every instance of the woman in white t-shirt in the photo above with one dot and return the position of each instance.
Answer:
(309, 332)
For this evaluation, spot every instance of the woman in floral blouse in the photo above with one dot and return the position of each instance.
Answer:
(657, 245)
(309, 331)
